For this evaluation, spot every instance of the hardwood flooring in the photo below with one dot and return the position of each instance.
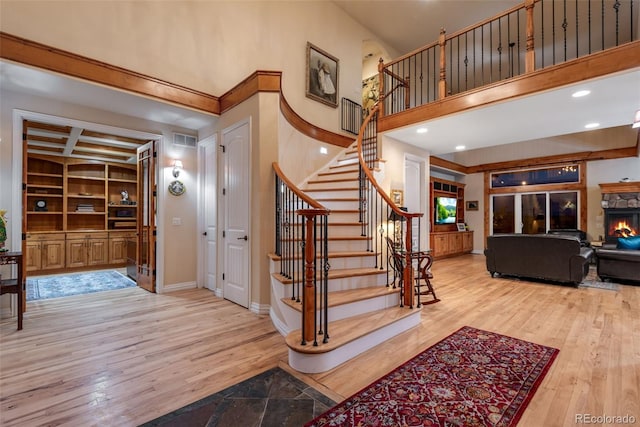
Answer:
(126, 357)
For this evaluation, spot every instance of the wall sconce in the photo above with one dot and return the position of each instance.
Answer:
(177, 165)
(636, 120)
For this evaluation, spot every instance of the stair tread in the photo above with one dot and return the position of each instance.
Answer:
(337, 298)
(337, 172)
(338, 254)
(344, 331)
(337, 273)
(327, 181)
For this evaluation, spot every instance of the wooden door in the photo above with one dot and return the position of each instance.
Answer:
(117, 250)
(236, 201)
(146, 224)
(33, 258)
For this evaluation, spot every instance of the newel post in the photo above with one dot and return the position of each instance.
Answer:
(530, 56)
(381, 88)
(442, 83)
(309, 290)
(408, 267)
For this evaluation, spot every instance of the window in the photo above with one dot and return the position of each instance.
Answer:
(554, 175)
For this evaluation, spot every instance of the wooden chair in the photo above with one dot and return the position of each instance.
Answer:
(422, 275)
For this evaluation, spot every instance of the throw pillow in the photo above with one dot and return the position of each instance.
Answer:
(629, 242)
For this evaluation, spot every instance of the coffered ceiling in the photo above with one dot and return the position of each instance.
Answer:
(67, 141)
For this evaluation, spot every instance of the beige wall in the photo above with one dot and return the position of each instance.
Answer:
(205, 45)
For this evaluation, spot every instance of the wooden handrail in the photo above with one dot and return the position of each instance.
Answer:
(311, 201)
(408, 289)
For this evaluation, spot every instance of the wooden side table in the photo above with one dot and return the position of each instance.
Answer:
(14, 286)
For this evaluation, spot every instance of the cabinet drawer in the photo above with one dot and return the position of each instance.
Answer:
(122, 234)
(38, 237)
(80, 236)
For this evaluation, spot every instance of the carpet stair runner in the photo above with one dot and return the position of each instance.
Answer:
(362, 310)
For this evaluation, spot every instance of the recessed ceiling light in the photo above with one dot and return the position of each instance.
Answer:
(591, 125)
(460, 147)
(581, 93)
(422, 130)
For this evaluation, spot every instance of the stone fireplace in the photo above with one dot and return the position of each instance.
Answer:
(621, 204)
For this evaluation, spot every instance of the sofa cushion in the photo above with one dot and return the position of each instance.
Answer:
(629, 242)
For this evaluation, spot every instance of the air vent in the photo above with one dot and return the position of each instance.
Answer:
(184, 140)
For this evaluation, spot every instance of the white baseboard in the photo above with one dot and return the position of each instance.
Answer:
(260, 308)
(179, 286)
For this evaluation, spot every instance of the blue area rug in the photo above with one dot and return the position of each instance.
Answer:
(74, 284)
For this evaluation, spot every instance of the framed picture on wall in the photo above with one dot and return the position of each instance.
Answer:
(322, 76)
(472, 205)
(398, 197)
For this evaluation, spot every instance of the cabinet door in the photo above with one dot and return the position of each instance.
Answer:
(98, 251)
(440, 244)
(117, 250)
(76, 253)
(455, 244)
(53, 252)
(33, 260)
(467, 241)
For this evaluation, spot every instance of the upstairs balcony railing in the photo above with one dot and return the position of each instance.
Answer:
(528, 37)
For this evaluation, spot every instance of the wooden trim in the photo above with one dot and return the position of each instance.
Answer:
(620, 187)
(311, 130)
(616, 153)
(614, 60)
(16, 49)
(447, 164)
(259, 81)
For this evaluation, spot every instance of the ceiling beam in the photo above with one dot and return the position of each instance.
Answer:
(72, 140)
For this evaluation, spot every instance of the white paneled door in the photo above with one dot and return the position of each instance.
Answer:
(209, 173)
(236, 238)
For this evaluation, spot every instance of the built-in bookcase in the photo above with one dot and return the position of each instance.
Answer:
(77, 211)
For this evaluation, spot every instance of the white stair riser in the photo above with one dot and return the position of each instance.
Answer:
(322, 362)
(347, 245)
(357, 282)
(353, 262)
(340, 204)
(333, 184)
(343, 217)
(333, 194)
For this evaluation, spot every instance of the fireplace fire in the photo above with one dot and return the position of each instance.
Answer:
(621, 223)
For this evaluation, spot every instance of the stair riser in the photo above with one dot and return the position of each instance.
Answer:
(340, 263)
(333, 194)
(332, 184)
(347, 245)
(356, 282)
(340, 204)
(343, 217)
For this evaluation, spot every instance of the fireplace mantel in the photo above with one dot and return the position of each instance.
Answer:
(620, 187)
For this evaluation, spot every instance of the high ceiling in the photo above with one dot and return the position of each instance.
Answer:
(403, 25)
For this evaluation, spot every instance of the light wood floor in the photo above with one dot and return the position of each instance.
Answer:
(126, 357)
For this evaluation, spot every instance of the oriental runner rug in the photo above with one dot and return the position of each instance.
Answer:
(470, 378)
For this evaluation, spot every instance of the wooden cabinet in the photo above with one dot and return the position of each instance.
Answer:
(45, 251)
(452, 243)
(118, 242)
(87, 249)
(82, 200)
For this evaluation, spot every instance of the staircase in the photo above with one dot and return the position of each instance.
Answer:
(362, 310)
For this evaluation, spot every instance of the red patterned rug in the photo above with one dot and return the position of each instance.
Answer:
(470, 378)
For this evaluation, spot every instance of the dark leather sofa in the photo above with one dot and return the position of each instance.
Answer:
(557, 258)
(618, 264)
(571, 232)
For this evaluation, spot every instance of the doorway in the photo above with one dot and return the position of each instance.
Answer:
(79, 203)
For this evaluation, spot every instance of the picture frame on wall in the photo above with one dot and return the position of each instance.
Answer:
(472, 205)
(322, 76)
(397, 196)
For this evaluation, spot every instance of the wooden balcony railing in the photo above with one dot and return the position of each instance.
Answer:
(528, 37)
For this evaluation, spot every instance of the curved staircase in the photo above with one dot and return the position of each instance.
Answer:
(363, 311)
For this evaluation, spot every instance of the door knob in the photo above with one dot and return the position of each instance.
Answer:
(245, 238)
(204, 234)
